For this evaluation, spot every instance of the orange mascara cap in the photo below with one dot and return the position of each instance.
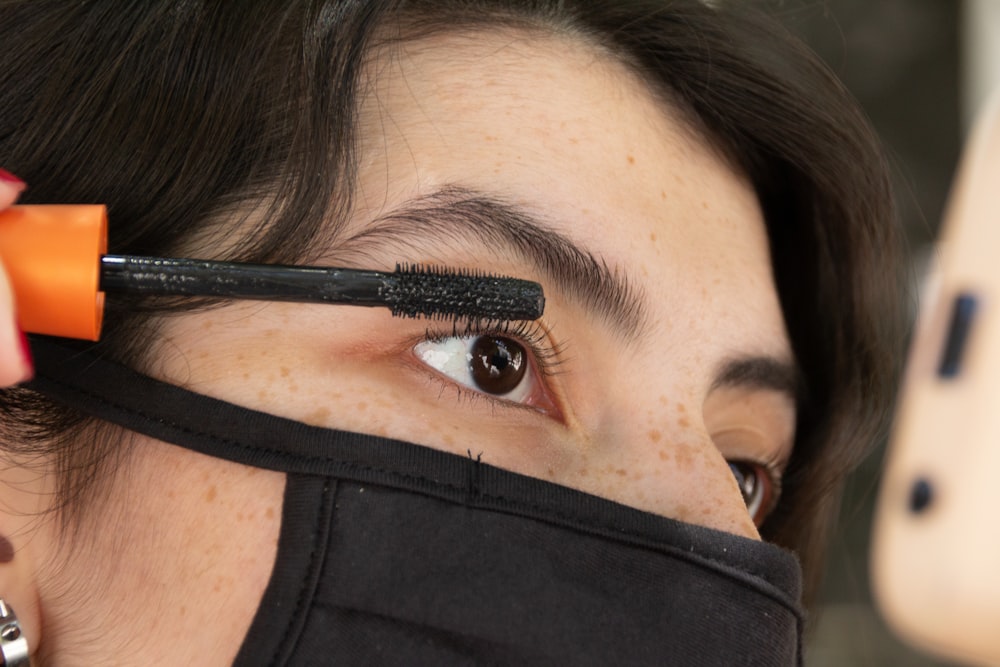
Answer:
(52, 254)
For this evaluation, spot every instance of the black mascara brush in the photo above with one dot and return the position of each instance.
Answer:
(410, 291)
(55, 258)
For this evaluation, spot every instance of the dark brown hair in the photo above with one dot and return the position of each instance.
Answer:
(183, 116)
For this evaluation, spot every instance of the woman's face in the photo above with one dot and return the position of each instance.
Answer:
(661, 357)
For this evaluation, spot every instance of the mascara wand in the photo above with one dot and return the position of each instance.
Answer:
(59, 272)
(411, 291)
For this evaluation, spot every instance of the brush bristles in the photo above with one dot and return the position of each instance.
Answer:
(438, 293)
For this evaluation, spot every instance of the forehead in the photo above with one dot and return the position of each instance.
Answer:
(564, 130)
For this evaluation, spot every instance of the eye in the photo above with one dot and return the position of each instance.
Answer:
(757, 486)
(495, 365)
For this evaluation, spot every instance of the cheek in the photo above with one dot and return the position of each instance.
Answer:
(196, 535)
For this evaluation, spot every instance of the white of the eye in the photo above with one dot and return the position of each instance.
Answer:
(449, 356)
(452, 357)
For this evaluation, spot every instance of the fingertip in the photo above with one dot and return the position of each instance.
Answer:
(16, 363)
(11, 188)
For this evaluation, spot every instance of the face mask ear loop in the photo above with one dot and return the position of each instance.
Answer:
(13, 644)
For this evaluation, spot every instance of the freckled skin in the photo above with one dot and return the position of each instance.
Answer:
(544, 125)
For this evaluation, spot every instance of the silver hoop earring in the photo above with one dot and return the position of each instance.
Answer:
(13, 645)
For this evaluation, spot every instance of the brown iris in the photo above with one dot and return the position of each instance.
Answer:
(497, 364)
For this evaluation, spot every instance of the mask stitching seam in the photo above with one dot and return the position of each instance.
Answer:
(300, 600)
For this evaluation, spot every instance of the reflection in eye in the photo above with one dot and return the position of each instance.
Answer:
(756, 486)
(494, 365)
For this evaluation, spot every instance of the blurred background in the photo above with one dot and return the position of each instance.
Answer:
(920, 68)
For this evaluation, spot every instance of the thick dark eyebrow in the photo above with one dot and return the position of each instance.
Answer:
(760, 372)
(457, 215)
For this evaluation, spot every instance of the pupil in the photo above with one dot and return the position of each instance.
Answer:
(497, 364)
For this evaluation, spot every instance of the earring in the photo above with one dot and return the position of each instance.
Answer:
(13, 645)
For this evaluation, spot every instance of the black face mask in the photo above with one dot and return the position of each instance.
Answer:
(396, 554)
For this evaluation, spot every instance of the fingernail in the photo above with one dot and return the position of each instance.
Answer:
(29, 362)
(11, 179)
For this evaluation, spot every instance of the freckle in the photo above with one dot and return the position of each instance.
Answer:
(319, 416)
(663, 399)
(240, 357)
(362, 406)
(448, 440)
(621, 472)
(293, 388)
(704, 205)
(246, 376)
(684, 457)
(262, 395)
(269, 513)
(664, 455)
(663, 194)
(683, 422)
(654, 435)
(207, 325)
(550, 472)
(212, 493)
(216, 588)
(631, 159)
(637, 475)
(240, 516)
(582, 472)
(284, 371)
(574, 140)
(680, 407)
(652, 237)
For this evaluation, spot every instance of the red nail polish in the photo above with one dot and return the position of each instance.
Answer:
(29, 361)
(11, 179)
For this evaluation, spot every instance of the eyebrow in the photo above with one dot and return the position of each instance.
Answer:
(456, 215)
(761, 372)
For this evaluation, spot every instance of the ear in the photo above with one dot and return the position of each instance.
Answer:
(26, 536)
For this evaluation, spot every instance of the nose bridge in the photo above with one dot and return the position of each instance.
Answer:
(654, 452)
